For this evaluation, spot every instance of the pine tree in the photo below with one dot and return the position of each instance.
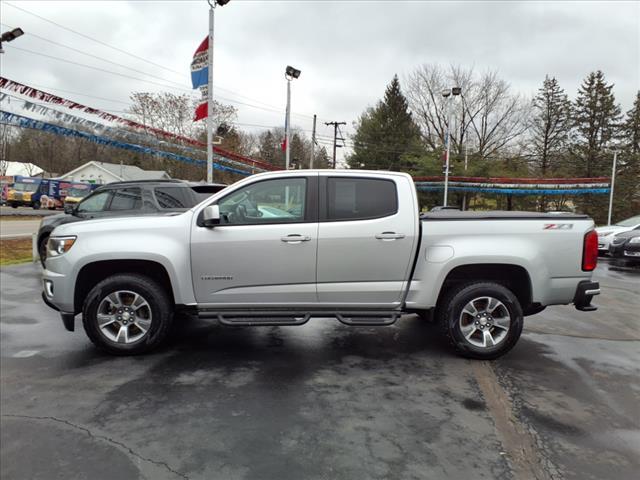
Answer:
(631, 128)
(386, 137)
(550, 125)
(596, 118)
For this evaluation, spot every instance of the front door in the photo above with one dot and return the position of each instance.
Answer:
(263, 253)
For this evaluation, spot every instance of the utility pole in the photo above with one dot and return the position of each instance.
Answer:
(313, 141)
(335, 138)
(613, 182)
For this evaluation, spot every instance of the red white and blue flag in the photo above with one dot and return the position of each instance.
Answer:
(200, 77)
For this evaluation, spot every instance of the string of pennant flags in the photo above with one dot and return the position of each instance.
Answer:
(46, 97)
(100, 128)
(517, 186)
(16, 120)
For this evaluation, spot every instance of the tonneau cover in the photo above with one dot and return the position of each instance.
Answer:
(499, 215)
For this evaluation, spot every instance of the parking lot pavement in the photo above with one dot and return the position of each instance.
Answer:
(323, 401)
(18, 228)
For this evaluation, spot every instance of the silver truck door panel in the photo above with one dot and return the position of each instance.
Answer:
(365, 261)
(255, 264)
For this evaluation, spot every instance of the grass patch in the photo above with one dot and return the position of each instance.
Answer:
(15, 250)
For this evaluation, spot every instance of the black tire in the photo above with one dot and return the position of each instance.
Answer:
(159, 303)
(14, 205)
(35, 205)
(42, 249)
(450, 310)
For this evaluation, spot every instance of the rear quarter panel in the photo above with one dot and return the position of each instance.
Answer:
(551, 257)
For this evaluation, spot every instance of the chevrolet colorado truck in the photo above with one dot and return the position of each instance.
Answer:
(281, 247)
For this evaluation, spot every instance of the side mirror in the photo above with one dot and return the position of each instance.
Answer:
(211, 216)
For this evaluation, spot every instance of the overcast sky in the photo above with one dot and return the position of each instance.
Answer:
(348, 51)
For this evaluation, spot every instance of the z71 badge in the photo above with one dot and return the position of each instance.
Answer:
(557, 226)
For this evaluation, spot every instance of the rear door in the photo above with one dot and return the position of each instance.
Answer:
(366, 239)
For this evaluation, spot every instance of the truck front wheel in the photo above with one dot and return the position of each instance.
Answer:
(481, 320)
(127, 314)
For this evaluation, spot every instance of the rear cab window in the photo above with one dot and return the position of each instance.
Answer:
(353, 198)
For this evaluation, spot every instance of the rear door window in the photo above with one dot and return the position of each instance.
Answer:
(174, 197)
(360, 198)
(126, 199)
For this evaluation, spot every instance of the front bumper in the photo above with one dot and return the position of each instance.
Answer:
(57, 293)
(585, 292)
(68, 319)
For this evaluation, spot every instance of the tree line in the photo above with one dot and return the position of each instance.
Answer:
(497, 132)
(493, 131)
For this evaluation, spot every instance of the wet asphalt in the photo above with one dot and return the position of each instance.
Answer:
(322, 401)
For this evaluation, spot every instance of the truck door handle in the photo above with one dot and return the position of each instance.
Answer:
(390, 236)
(295, 238)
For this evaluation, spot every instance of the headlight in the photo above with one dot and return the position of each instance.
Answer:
(59, 245)
(604, 234)
(635, 240)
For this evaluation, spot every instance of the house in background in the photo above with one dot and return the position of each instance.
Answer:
(12, 169)
(101, 172)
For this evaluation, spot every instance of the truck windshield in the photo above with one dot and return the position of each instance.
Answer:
(25, 187)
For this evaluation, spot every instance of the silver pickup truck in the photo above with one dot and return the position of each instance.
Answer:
(281, 247)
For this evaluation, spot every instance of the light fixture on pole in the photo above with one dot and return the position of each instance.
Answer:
(212, 7)
(290, 73)
(10, 36)
(448, 95)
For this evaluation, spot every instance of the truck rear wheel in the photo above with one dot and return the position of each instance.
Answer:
(481, 320)
(127, 314)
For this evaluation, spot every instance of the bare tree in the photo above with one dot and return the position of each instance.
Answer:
(174, 113)
(488, 115)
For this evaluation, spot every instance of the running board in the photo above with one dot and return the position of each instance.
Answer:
(367, 319)
(246, 319)
(253, 318)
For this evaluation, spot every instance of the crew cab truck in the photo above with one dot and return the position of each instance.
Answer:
(281, 247)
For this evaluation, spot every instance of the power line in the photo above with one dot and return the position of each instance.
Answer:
(92, 67)
(92, 39)
(273, 107)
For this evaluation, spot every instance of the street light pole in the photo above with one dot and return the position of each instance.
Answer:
(613, 182)
(448, 95)
(287, 146)
(448, 144)
(290, 73)
(212, 7)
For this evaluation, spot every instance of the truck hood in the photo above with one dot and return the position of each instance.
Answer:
(125, 224)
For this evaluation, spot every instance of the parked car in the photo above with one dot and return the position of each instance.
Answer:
(344, 244)
(606, 233)
(118, 199)
(626, 245)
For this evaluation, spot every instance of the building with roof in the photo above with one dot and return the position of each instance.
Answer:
(11, 169)
(102, 172)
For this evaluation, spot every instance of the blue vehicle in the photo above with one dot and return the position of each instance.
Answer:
(27, 191)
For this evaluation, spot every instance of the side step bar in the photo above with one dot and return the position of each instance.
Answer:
(253, 318)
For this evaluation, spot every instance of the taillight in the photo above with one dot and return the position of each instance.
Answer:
(590, 251)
